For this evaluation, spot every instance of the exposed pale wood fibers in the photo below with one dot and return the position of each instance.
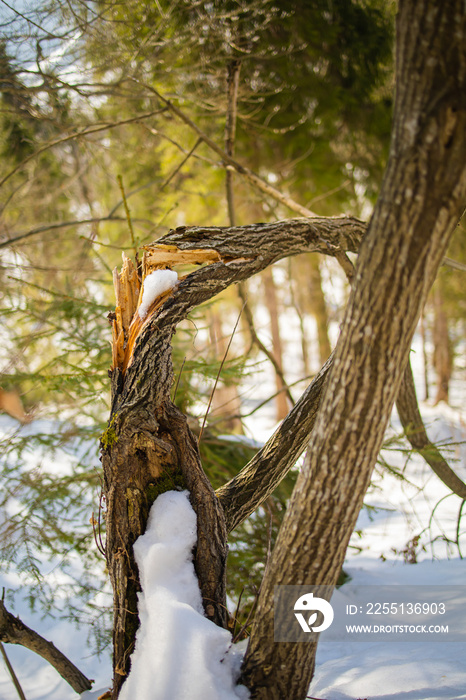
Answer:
(127, 292)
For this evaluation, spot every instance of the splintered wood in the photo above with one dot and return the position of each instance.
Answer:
(127, 324)
(127, 292)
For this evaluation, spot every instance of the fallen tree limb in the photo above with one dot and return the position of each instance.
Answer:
(14, 631)
(411, 420)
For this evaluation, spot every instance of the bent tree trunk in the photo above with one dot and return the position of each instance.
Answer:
(147, 447)
(422, 197)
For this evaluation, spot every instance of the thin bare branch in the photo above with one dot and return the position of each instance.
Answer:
(248, 174)
(454, 264)
(257, 341)
(220, 371)
(14, 631)
(12, 673)
(76, 135)
(61, 224)
(178, 167)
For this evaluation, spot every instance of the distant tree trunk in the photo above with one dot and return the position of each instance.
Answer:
(423, 195)
(308, 297)
(226, 403)
(422, 324)
(294, 285)
(271, 301)
(443, 360)
(319, 308)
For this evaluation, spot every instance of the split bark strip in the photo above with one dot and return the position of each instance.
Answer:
(411, 420)
(127, 292)
(14, 631)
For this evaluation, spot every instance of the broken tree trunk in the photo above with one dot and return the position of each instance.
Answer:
(147, 447)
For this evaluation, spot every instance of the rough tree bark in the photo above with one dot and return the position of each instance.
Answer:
(422, 198)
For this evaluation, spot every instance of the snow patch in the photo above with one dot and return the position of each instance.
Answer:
(179, 653)
(155, 284)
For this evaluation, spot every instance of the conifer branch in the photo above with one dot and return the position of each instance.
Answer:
(248, 174)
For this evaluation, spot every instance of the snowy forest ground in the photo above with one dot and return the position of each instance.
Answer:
(400, 510)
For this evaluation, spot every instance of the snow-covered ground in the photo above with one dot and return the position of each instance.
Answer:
(394, 670)
(415, 519)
